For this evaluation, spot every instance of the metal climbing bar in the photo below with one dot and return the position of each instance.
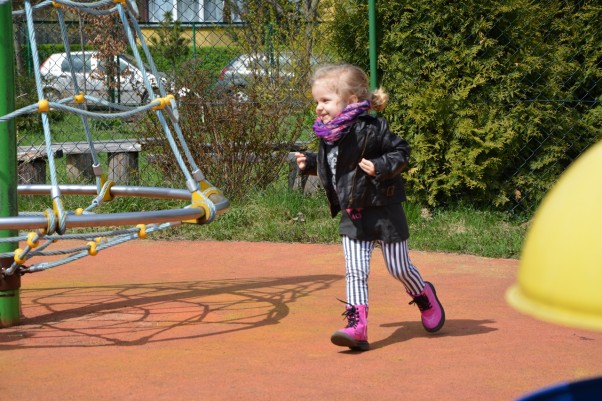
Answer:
(204, 200)
(93, 220)
(104, 220)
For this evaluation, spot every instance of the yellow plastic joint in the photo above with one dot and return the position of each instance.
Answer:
(107, 196)
(56, 5)
(199, 202)
(17, 256)
(33, 240)
(119, 1)
(204, 185)
(209, 189)
(103, 180)
(163, 101)
(43, 106)
(212, 191)
(81, 98)
(92, 251)
(48, 214)
(142, 230)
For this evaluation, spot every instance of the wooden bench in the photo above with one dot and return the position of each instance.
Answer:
(122, 160)
(122, 157)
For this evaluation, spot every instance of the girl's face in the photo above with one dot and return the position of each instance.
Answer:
(328, 103)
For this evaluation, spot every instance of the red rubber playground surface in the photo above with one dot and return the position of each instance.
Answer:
(153, 320)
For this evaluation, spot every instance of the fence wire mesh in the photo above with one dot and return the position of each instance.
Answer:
(496, 98)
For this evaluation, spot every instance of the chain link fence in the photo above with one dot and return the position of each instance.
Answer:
(496, 98)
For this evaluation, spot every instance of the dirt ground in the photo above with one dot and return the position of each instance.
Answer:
(153, 320)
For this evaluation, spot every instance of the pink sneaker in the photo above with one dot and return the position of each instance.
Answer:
(355, 335)
(433, 315)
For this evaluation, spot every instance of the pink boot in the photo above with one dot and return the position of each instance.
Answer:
(355, 335)
(433, 315)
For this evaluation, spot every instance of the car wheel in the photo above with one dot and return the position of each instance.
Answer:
(52, 95)
(144, 97)
(239, 94)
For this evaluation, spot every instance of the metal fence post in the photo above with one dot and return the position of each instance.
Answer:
(373, 44)
(9, 285)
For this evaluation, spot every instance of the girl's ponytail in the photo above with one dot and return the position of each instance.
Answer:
(379, 99)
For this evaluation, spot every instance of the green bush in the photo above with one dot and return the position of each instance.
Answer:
(496, 98)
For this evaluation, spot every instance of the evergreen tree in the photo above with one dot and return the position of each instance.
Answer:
(170, 43)
(497, 98)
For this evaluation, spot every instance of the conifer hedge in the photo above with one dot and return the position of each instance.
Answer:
(496, 98)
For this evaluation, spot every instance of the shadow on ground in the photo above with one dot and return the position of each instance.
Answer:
(137, 314)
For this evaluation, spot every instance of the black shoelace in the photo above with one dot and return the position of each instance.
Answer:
(351, 314)
(422, 301)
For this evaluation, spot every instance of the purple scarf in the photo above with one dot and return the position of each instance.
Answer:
(333, 131)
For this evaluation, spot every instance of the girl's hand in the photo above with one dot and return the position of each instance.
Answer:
(301, 159)
(368, 167)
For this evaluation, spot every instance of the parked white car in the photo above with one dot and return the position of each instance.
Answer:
(91, 78)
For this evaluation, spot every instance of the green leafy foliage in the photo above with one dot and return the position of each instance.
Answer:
(170, 43)
(496, 98)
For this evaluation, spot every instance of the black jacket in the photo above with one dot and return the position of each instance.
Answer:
(368, 138)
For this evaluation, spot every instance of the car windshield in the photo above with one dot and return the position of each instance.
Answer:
(126, 64)
(78, 63)
(123, 66)
(134, 64)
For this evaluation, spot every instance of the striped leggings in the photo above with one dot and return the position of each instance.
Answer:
(357, 263)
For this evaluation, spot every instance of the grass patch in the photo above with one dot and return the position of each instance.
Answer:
(280, 215)
(465, 230)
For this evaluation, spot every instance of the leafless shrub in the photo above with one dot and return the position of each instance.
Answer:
(240, 144)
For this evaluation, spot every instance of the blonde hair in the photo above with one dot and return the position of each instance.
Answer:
(348, 80)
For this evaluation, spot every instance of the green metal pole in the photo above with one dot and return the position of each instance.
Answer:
(9, 285)
(372, 42)
(194, 40)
